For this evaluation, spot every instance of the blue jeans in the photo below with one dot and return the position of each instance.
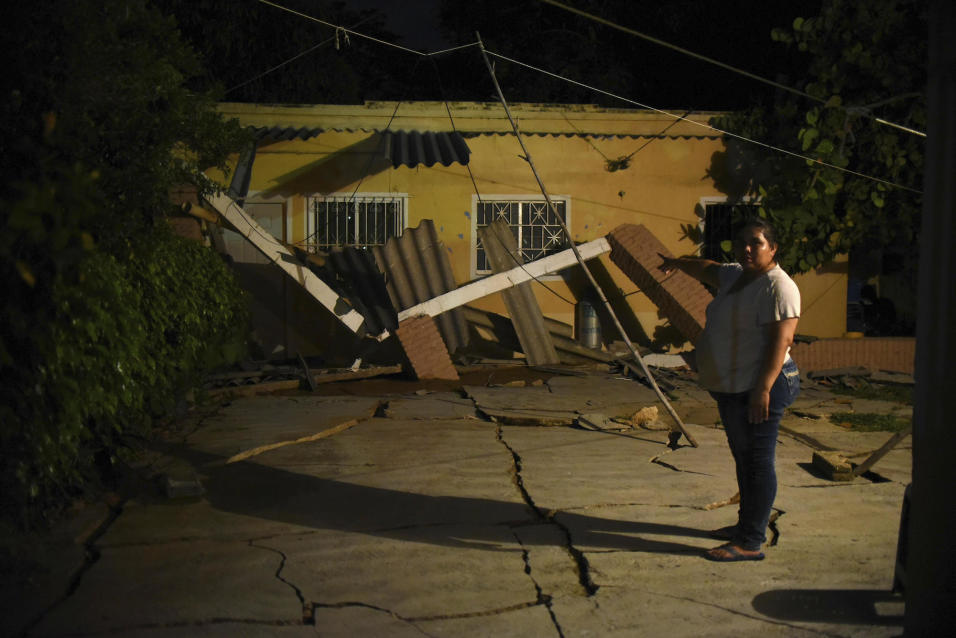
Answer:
(753, 446)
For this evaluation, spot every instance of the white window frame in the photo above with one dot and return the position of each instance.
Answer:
(710, 201)
(519, 199)
(310, 216)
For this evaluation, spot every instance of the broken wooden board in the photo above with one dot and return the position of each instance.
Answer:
(281, 256)
(836, 465)
(318, 378)
(504, 280)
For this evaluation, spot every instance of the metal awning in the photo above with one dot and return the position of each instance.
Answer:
(401, 148)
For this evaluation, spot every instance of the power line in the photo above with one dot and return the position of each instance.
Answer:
(341, 29)
(292, 59)
(701, 124)
(607, 93)
(753, 76)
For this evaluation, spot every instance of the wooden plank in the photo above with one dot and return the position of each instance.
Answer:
(281, 256)
(504, 280)
(893, 441)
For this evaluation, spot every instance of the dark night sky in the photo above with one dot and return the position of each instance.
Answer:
(416, 21)
(735, 33)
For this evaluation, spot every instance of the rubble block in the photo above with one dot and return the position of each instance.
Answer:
(681, 298)
(425, 348)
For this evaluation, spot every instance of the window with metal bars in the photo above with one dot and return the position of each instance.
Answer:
(361, 221)
(536, 228)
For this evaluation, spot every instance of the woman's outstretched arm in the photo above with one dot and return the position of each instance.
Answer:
(703, 270)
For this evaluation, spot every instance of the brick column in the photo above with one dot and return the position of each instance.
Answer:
(681, 298)
(425, 349)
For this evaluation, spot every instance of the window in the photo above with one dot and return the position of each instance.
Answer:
(536, 228)
(719, 224)
(362, 221)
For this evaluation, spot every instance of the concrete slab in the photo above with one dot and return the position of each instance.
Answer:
(181, 583)
(248, 423)
(562, 400)
(459, 527)
(435, 405)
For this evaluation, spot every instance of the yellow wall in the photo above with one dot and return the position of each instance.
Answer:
(661, 188)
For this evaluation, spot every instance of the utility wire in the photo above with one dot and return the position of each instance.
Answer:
(341, 29)
(753, 76)
(604, 92)
(474, 183)
(292, 59)
(702, 125)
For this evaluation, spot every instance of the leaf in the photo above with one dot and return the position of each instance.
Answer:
(877, 199)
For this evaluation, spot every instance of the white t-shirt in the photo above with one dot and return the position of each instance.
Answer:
(730, 351)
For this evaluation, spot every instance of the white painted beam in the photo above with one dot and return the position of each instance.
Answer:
(282, 257)
(501, 281)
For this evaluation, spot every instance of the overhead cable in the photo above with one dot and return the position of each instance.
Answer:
(728, 67)
(701, 124)
(603, 92)
(347, 31)
(292, 59)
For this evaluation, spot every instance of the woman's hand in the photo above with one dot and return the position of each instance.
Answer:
(758, 408)
(669, 264)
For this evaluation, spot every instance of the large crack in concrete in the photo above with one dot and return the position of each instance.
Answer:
(91, 557)
(543, 599)
(307, 610)
(582, 567)
(414, 620)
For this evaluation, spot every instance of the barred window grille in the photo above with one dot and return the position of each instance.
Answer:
(360, 221)
(536, 228)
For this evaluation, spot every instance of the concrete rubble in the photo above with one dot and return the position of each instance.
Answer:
(426, 517)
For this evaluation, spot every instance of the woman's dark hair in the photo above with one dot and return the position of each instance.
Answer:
(765, 227)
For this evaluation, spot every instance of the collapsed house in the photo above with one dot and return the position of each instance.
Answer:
(385, 219)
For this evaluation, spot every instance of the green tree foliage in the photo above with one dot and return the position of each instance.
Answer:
(107, 315)
(863, 61)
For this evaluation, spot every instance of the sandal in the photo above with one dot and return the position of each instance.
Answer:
(731, 554)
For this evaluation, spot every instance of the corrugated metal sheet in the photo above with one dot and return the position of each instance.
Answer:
(502, 250)
(401, 148)
(353, 274)
(284, 133)
(416, 269)
(411, 148)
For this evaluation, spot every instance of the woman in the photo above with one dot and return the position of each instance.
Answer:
(743, 360)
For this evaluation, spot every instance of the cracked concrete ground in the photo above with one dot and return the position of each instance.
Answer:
(427, 521)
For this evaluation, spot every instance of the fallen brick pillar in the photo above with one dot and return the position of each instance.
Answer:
(425, 349)
(681, 298)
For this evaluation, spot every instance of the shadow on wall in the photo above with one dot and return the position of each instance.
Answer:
(288, 321)
(580, 288)
(333, 172)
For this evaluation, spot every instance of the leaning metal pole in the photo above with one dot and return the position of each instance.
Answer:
(577, 255)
